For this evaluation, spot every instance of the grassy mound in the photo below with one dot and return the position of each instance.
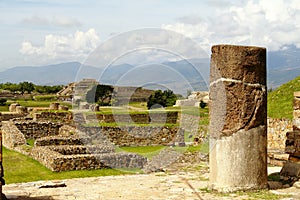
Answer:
(280, 101)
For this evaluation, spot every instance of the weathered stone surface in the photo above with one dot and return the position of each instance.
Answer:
(296, 103)
(297, 94)
(237, 90)
(244, 63)
(62, 107)
(13, 106)
(292, 143)
(274, 185)
(239, 162)
(291, 169)
(54, 106)
(238, 118)
(277, 129)
(64, 117)
(21, 110)
(1, 170)
(11, 135)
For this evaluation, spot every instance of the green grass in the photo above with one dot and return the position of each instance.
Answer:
(280, 101)
(122, 124)
(30, 142)
(20, 168)
(48, 97)
(139, 105)
(261, 194)
(251, 195)
(4, 108)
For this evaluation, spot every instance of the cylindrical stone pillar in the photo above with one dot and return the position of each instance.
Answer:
(238, 118)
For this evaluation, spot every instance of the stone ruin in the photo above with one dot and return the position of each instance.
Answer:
(62, 143)
(292, 145)
(194, 99)
(63, 147)
(238, 118)
(238, 128)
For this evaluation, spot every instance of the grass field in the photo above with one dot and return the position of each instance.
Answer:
(280, 101)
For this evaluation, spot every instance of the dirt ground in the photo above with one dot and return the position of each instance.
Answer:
(179, 181)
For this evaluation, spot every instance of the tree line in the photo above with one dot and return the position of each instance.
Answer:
(28, 87)
(102, 95)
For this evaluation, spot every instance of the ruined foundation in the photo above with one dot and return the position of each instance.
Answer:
(238, 118)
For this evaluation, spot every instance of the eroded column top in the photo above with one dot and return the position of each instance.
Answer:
(242, 63)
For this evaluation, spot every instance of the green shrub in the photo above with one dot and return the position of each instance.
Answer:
(2, 102)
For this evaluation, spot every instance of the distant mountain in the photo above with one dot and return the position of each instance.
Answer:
(62, 73)
(283, 66)
(180, 76)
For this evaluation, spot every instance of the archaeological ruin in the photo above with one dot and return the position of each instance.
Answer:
(242, 139)
(238, 118)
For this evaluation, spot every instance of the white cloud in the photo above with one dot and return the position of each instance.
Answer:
(60, 21)
(273, 24)
(60, 48)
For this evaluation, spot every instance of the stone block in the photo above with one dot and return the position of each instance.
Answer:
(54, 106)
(13, 106)
(290, 135)
(21, 110)
(296, 103)
(296, 114)
(297, 94)
(290, 169)
(62, 107)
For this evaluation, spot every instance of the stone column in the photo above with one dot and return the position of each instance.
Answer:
(2, 196)
(238, 118)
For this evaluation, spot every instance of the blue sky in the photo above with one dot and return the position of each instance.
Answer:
(38, 32)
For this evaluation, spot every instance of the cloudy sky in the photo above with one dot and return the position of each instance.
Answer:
(38, 32)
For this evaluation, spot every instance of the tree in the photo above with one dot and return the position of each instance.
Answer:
(100, 94)
(164, 99)
(45, 89)
(26, 87)
(2, 102)
(202, 104)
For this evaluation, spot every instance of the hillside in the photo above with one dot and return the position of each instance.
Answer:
(280, 101)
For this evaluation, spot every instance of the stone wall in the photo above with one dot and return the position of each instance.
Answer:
(277, 129)
(5, 116)
(190, 123)
(11, 135)
(292, 144)
(136, 136)
(168, 117)
(57, 162)
(58, 116)
(34, 130)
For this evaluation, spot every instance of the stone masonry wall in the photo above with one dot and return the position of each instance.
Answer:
(11, 135)
(136, 136)
(57, 162)
(277, 129)
(292, 145)
(5, 116)
(34, 130)
(64, 117)
(169, 117)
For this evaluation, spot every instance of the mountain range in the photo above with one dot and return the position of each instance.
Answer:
(180, 76)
